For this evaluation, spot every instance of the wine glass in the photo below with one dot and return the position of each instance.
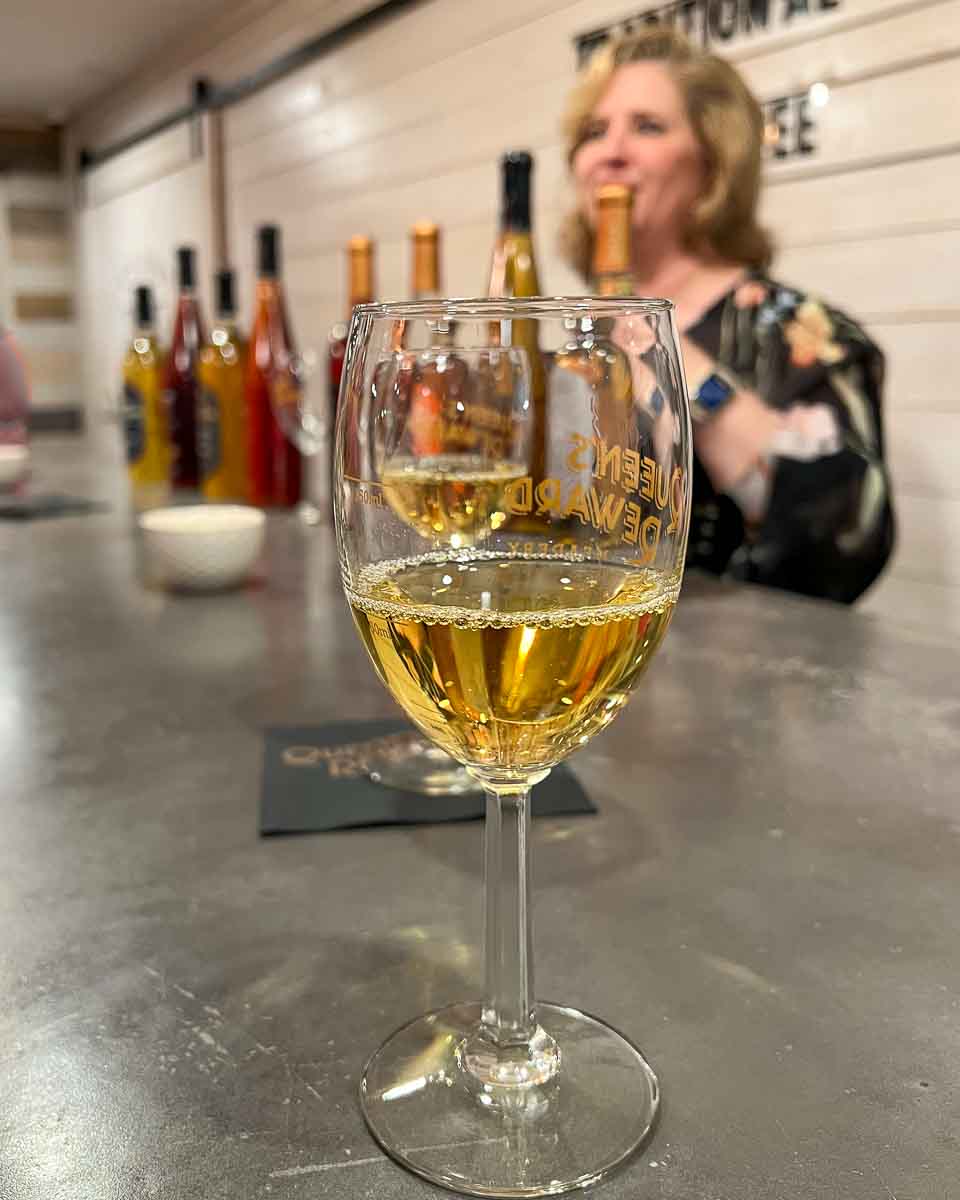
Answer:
(510, 650)
(304, 409)
(301, 405)
(445, 450)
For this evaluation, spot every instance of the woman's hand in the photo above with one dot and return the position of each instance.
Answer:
(734, 442)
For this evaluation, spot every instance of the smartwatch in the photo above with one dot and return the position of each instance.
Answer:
(713, 393)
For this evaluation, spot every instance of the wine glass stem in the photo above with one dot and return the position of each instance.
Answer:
(509, 1052)
(508, 1011)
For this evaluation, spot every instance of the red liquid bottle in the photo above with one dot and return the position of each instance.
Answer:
(273, 462)
(181, 376)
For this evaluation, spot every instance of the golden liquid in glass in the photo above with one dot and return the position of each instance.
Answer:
(511, 663)
(458, 498)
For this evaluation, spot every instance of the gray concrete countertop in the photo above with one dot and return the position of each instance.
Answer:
(768, 902)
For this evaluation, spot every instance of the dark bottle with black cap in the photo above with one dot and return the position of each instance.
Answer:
(514, 268)
(181, 375)
(222, 428)
(273, 462)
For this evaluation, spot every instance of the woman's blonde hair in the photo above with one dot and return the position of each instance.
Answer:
(728, 124)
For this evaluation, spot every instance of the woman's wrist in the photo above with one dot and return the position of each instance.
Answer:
(709, 387)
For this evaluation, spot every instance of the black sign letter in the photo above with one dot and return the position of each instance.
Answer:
(722, 19)
(804, 126)
(754, 14)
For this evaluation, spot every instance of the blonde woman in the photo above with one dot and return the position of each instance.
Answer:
(790, 486)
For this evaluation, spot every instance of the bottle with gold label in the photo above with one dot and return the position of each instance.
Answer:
(360, 290)
(144, 412)
(438, 376)
(221, 417)
(591, 386)
(611, 244)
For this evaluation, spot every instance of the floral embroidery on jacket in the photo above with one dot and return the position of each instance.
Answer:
(827, 525)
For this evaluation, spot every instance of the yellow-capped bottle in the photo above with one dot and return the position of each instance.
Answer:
(591, 364)
(221, 414)
(611, 271)
(144, 413)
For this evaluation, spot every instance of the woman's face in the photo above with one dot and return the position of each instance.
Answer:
(639, 135)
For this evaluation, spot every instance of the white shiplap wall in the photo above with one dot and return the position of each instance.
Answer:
(40, 265)
(407, 121)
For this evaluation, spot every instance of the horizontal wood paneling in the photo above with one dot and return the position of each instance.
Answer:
(314, 179)
(28, 190)
(919, 378)
(53, 395)
(497, 52)
(35, 276)
(33, 219)
(41, 250)
(42, 337)
(56, 368)
(408, 121)
(923, 449)
(250, 34)
(161, 156)
(876, 202)
(887, 43)
(913, 272)
(368, 86)
(928, 543)
(900, 115)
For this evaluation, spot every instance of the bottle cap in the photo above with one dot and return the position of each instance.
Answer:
(426, 258)
(360, 256)
(226, 298)
(517, 169)
(268, 251)
(611, 245)
(143, 306)
(185, 268)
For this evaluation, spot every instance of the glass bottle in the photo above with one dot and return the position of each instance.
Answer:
(222, 431)
(273, 461)
(181, 374)
(144, 411)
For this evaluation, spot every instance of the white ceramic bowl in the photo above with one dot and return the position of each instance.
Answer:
(202, 547)
(14, 461)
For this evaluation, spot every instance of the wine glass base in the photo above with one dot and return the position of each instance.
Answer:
(431, 1116)
(416, 765)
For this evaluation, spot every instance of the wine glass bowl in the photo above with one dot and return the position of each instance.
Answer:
(512, 495)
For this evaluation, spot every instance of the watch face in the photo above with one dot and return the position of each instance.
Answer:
(714, 393)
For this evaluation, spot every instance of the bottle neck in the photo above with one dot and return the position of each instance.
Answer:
(224, 331)
(611, 265)
(515, 214)
(426, 268)
(515, 206)
(361, 282)
(268, 288)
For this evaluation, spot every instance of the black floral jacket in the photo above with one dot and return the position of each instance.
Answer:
(825, 524)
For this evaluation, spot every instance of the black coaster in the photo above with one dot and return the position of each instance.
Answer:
(315, 780)
(30, 507)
